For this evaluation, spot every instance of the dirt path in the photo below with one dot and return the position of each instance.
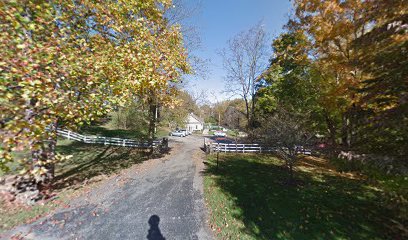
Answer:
(163, 202)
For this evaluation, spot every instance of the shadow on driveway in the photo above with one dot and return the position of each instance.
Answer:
(154, 232)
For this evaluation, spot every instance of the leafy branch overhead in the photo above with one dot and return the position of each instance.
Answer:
(342, 64)
(68, 63)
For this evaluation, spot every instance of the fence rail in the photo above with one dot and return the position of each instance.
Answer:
(107, 140)
(211, 147)
(239, 148)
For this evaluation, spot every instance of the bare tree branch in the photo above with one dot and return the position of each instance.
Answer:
(184, 13)
(244, 60)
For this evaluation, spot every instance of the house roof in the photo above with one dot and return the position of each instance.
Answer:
(197, 118)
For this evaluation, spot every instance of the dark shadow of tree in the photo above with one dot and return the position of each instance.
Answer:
(323, 206)
(91, 160)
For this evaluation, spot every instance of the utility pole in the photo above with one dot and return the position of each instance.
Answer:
(219, 112)
(219, 119)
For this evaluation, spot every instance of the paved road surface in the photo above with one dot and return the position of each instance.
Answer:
(163, 202)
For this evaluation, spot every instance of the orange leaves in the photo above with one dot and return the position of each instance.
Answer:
(75, 64)
(333, 26)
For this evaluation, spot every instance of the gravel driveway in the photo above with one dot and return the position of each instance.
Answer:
(163, 202)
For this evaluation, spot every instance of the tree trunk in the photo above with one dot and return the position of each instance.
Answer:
(152, 121)
(247, 113)
(252, 116)
(353, 125)
(125, 120)
(345, 130)
(44, 159)
(290, 172)
(332, 130)
(51, 154)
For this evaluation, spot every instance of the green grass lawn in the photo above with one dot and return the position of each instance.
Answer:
(232, 133)
(89, 163)
(248, 198)
(85, 152)
(89, 160)
(13, 215)
(108, 131)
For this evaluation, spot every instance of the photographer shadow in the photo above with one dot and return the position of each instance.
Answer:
(154, 232)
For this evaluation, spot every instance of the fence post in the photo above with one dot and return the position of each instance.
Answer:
(69, 134)
(124, 142)
(225, 148)
(243, 149)
(236, 147)
(165, 143)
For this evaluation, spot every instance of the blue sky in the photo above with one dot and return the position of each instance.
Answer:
(222, 19)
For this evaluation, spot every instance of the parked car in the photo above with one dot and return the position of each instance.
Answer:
(220, 134)
(178, 134)
(185, 132)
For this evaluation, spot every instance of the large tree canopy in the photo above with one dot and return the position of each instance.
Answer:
(68, 62)
(343, 65)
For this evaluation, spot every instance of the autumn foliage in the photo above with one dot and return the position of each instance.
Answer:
(343, 66)
(65, 63)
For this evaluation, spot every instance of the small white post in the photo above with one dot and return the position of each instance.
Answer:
(243, 149)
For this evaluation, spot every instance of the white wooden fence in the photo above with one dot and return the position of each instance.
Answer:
(239, 148)
(245, 148)
(106, 140)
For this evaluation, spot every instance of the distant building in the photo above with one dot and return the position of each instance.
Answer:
(194, 123)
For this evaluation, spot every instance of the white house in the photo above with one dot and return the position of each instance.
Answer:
(194, 123)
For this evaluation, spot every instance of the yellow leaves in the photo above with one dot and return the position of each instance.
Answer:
(60, 157)
(38, 171)
(23, 171)
(65, 73)
(9, 95)
(36, 82)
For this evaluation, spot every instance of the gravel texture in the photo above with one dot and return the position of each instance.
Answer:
(159, 199)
